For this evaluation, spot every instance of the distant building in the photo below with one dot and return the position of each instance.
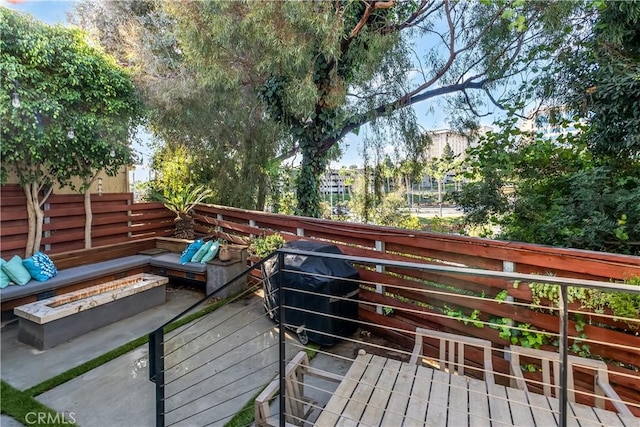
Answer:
(551, 122)
(333, 182)
(458, 142)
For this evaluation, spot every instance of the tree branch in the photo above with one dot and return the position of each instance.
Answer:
(367, 12)
(403, 102)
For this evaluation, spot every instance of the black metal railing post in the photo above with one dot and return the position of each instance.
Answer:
(564, 343)
(281, 326)
(156, 371)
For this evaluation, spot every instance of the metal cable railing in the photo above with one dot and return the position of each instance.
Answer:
(393, 310)
(561, 336)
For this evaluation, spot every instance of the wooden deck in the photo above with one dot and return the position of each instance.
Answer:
(383, 392)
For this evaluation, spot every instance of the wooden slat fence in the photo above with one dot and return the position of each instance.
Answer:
(116, 218)
(406, 288)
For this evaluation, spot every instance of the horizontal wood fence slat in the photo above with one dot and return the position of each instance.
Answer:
(116, 218)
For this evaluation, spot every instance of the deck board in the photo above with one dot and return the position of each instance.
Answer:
(571, 418)
(380, 397)
(542, 413)
(362, 393)
(438, 399)
(498, 405)
(519, 407)
(419, 399)
(331, 413)
(608, 418)
(585, 415)
(478, 404)
(458, 414)
(399, 399)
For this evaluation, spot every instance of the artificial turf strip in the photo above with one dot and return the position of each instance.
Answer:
(123, 349)
(246, 415)
(24, 408)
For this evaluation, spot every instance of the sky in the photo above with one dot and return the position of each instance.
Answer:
(429, 116)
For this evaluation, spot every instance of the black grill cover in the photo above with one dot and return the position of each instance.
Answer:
(319, 326)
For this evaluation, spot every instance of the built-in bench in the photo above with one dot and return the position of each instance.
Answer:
(88, 267)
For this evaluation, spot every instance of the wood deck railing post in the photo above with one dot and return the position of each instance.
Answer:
(380, 269)
(508, 267)
(252, 223)
(219, 218)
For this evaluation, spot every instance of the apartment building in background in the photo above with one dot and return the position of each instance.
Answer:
(457, 141)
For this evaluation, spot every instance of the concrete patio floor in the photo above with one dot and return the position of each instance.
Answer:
(119, 393)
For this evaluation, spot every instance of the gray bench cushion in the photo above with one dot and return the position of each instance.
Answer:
(73, 275)
(172, 261)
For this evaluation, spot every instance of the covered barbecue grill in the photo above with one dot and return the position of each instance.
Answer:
(316, 289)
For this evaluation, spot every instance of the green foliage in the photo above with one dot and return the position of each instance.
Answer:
(321, 69)
(182, 201)
(387, 210)
(439, 224)
(77, 106)
(502, 295)
(552, 191)
(473, 318)
(266, 245)
(623, 305)
(522, 334)
(217, 121)
(577, 189)
(67, 110)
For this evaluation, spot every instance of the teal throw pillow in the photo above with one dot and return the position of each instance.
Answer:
(211, 253)
(4, 279)
(203, 250)
(16, 271)
(40, 267)
(190, 251)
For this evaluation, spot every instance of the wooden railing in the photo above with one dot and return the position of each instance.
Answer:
(116, 218)
(606, 336)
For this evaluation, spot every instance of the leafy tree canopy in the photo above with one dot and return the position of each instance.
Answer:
(220, 126)
(67, 109)
(323, 69)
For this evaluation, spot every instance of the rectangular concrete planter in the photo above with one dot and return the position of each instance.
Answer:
(47, 323)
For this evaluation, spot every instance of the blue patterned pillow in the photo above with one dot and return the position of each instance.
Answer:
(40, 267)
(190, 251)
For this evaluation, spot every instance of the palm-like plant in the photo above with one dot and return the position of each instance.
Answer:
(182, 203)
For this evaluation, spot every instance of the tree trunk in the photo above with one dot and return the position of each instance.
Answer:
(31, 221)
(39, 222)
(184, 227)
(262, 192)
(440, 196)
(313, 163)
(35, 216)
(88, 217)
